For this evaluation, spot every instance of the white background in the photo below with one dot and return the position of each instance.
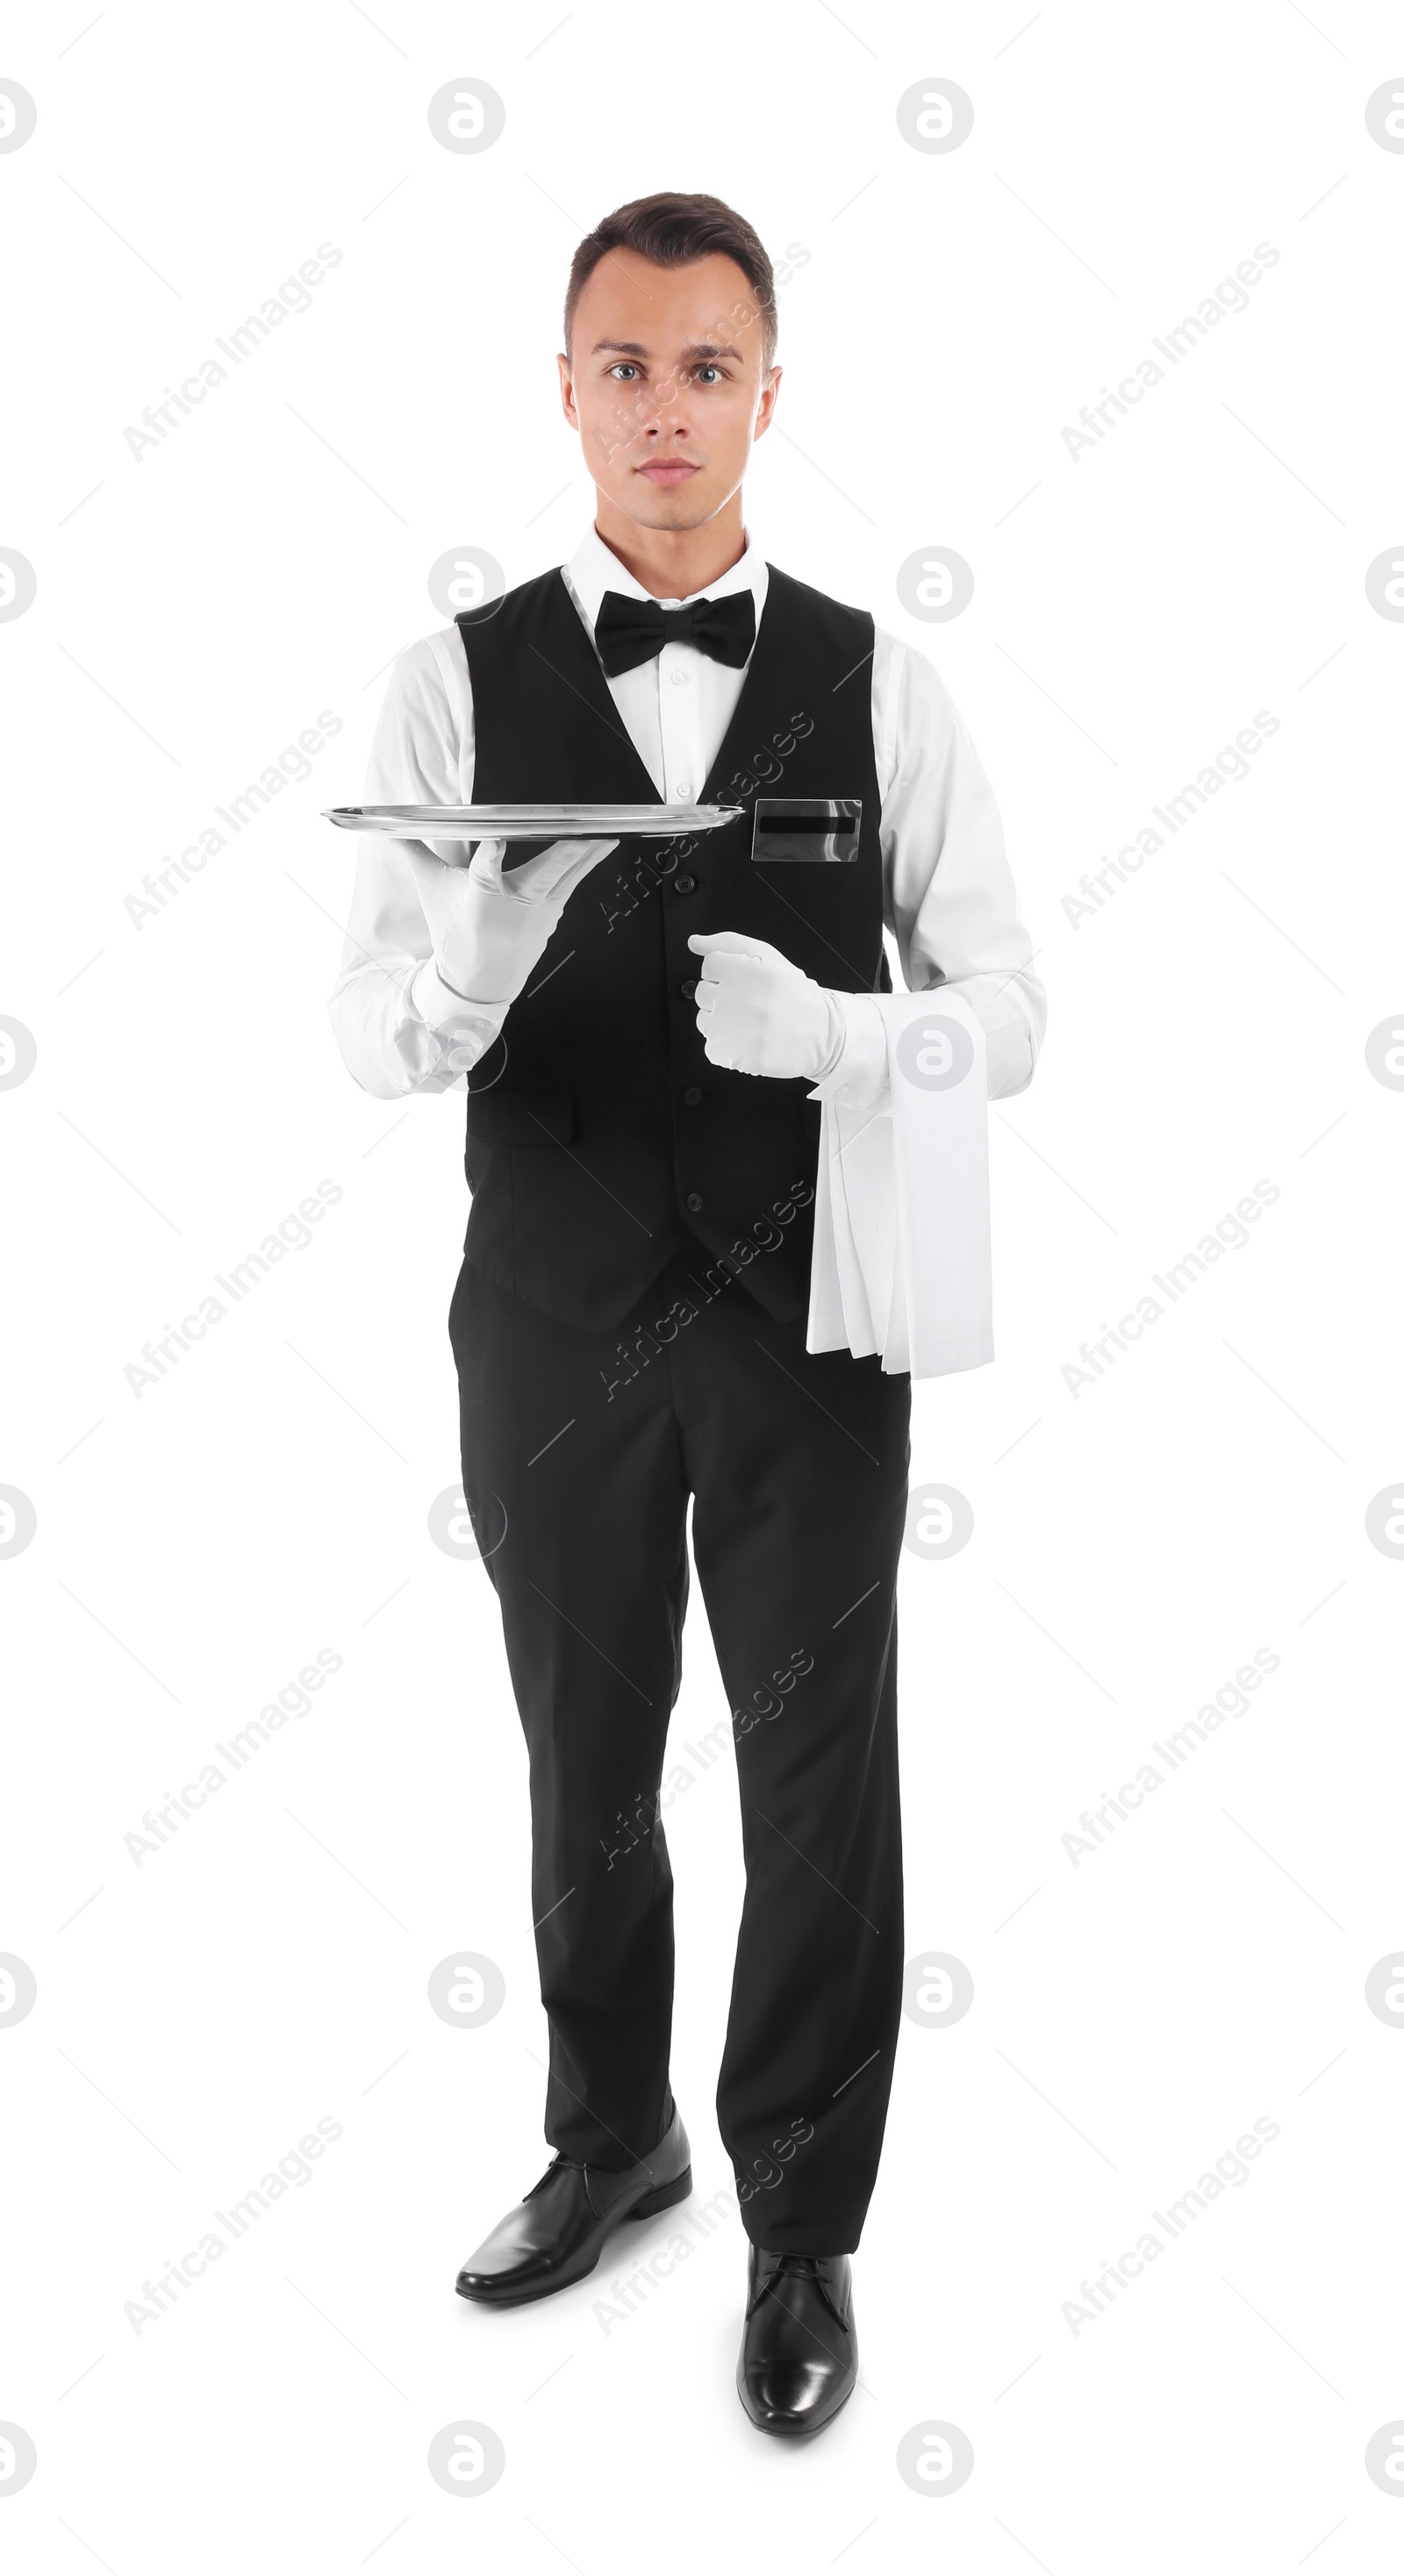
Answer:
(1134, 1544)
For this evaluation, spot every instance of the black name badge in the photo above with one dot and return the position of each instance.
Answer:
(805, 827)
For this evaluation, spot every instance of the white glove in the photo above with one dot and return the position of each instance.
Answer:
(488, 930)
(759, 1014)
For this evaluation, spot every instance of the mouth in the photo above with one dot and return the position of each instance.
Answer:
(676, 470)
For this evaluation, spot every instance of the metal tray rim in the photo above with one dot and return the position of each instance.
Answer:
(529, 822)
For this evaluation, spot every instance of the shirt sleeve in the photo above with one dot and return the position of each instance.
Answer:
(948, 893)
(952, 907)
(394, 1019)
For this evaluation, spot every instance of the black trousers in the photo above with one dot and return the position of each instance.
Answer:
(580, 1451)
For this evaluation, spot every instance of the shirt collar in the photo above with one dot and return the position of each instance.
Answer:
(594, 568)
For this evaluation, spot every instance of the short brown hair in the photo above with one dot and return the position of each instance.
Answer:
(674, 230)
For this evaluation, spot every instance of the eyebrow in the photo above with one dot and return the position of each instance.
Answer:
(697, 349)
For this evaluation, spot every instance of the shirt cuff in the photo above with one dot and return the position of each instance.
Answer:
(467, 1028)
(858, 1077)
(1010, 1051)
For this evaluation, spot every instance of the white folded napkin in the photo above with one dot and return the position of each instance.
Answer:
(902, 1205)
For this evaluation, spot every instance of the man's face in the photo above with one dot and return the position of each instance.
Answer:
(665, 384)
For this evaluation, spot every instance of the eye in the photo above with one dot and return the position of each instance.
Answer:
(709, 367)
(620, 364)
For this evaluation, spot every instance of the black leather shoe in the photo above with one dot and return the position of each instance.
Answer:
(556, 2235)
(799, 2351)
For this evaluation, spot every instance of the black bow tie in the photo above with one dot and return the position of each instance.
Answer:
(630, 631)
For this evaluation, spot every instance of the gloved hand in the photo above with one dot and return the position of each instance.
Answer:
(759, 1014)
(489, 931)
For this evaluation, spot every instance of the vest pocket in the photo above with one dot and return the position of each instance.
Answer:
(500, 1117)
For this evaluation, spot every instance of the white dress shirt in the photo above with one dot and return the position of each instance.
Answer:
(888, 1275)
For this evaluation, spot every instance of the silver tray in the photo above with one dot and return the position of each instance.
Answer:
(528, 822)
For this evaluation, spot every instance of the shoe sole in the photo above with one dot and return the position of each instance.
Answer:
(664, 2198)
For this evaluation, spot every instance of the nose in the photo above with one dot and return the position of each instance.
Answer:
(661, 409)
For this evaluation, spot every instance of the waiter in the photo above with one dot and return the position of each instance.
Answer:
(645, 1030)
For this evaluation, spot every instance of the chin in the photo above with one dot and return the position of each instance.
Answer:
(682, 508)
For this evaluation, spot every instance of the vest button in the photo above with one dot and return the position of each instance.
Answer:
(684, 885)
(688, 992)
(692, 1095)
(694, 1201)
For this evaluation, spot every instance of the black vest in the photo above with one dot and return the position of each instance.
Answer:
(600, 1140)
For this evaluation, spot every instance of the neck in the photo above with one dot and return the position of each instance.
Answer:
(671, 563)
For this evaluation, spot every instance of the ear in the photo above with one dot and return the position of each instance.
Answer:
(567, 389)
(765, 408)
